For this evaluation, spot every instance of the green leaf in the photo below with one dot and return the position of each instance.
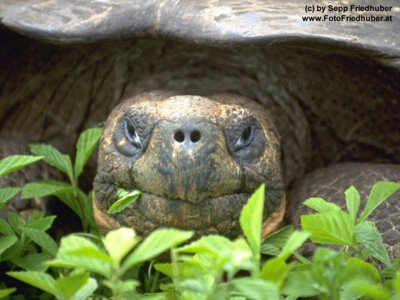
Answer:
(43, 223)
(42, 239)
(295, 241)
(68, 197)
(5, 227)
(368, 236)
(40, 280)
(272, 244)
(123, 287)
(320, 205)
(275, 270)
(5, 292)
(396, 283)
(217, 254)
(15, 221)
(8, 193)
(32, 262)
(332, 228)
(6, 242)
(361, 288)
(352, 202)
(86, 291)
(156, 243)
(357, 268)
(256, 289)
(45, 188)
(68, 286)
(300, 284)
(119, 242)
(53, 157)
(165, 268)
(79, 252)
(214, 244)
(87, 141)
(251, 220)
(15, 162)
(126, 199)
(379, 193)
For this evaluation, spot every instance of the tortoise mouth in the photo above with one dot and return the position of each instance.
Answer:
(214, 215)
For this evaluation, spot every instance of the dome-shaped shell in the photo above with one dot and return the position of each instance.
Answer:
(221, 22)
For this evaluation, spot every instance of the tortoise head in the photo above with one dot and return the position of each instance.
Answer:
(195, 159)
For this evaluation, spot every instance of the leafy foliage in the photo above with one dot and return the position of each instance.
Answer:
(125, 198)
(10, 164)
(69, 193)
(213, 267)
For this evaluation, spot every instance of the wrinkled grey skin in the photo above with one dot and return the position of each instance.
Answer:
(332, 89)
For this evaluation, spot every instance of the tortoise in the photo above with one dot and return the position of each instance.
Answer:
(212, 99)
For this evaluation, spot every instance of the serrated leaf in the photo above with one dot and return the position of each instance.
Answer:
(53, 157)
(352, 202)
(251, 220)
(45, 188)
(43, 223)
(320, 205)
(42, 239)
(6, 242)
(368, 236)
(379, 193)
(32, 262)
(79, 252)
(331, 227)
(15, 162)
(126, 199)
(15, 221)
(40, 280)
(156, 243)
(125, 238)
(8, 193)
(87, 141)
(280, 236)
(272, 244)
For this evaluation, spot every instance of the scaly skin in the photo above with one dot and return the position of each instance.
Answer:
(199, 180)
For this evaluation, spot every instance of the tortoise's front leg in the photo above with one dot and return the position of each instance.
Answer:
(331, 182)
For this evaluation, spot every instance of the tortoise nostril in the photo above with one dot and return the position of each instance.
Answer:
(195, 136)
(179, 136)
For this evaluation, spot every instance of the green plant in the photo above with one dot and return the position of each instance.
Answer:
(10, 164)
(69, 193)
(211, 267)
(349, 261)
(111, 261)
(24, 242)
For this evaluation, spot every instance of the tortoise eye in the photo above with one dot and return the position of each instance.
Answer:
(132, 135)
(246, 137)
